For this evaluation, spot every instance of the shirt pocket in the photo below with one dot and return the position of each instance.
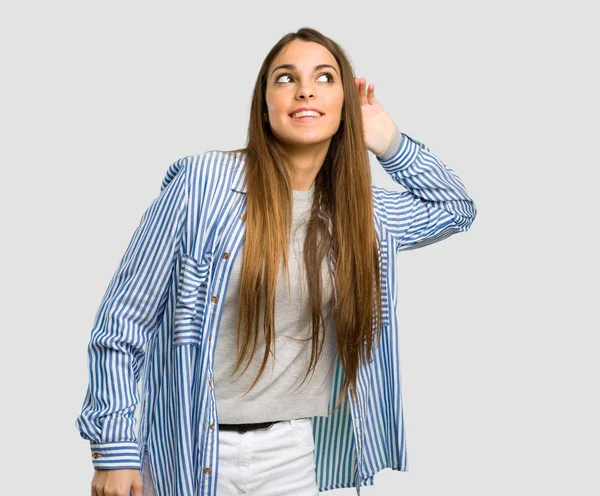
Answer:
(191, 301)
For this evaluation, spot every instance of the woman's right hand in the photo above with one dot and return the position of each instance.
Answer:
(117, 482)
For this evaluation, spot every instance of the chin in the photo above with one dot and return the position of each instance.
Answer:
(307, 141)
(305, 138)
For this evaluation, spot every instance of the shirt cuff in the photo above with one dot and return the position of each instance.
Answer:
(124, 454)
(393, 146)
(400, 154)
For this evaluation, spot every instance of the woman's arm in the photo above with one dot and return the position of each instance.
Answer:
(436, 204)
(128, 315)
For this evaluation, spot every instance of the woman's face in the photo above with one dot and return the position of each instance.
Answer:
(304, 86)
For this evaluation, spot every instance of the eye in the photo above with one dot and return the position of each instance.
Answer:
(328, 74)
(287, 74)
(282, 75)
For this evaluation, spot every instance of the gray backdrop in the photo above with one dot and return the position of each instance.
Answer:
(500, 383)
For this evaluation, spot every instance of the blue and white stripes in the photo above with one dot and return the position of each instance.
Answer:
(127, 318)
(436, 204)
(161, 313)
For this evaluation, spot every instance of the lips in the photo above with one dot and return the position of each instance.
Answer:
(305, 108)
(306, 118)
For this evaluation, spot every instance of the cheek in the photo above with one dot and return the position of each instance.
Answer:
(335, 105)
(276, 101)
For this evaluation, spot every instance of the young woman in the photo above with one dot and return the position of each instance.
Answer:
(281, 254)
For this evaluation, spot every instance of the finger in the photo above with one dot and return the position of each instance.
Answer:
(357, 84)
(361, 92)
(371, 94)
(136, 489)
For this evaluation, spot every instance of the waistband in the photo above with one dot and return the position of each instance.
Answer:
(247, 427)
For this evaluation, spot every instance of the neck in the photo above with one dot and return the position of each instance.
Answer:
(306, 162)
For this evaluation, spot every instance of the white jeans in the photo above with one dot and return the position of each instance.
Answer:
(264, 462)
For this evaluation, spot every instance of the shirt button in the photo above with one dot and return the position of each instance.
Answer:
(207, 470)
(214, 299)
(225, 255)
(212, 426)
(210, 382)
(209, 340)
(243, 216)
(96, 455)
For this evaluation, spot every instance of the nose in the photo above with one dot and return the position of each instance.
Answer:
(305, 93)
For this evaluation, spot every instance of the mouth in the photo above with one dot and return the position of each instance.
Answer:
(306, 118)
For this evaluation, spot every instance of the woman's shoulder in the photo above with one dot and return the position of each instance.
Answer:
(216, 159)
(209, 170)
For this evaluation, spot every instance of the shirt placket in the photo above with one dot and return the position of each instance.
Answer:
(228, 253)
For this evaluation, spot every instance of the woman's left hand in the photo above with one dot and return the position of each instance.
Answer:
(378, 125)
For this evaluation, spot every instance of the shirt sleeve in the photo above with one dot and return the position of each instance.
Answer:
(129, 313)
(434, 206)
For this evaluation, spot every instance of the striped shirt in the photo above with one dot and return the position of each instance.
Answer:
(158, 322)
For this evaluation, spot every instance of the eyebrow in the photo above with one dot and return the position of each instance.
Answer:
(293, 67)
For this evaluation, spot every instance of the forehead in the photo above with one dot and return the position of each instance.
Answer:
(305, 55)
